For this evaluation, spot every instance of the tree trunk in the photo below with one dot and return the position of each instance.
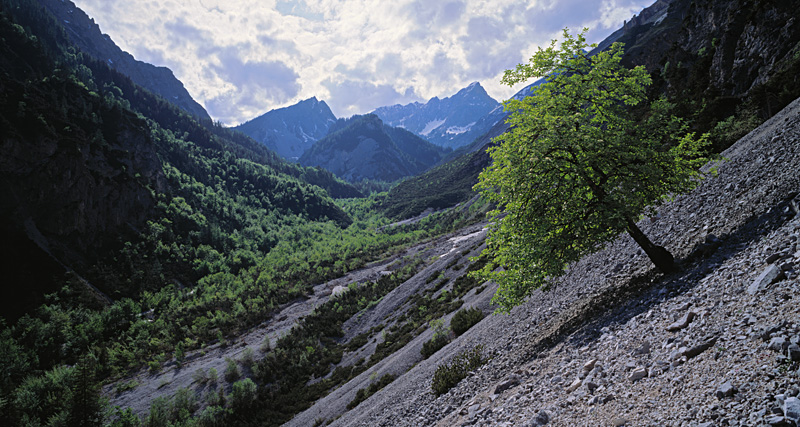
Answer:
(661, 257)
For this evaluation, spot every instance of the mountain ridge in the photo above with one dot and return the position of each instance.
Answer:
(450, 122)
(86, 35)
(365, 148)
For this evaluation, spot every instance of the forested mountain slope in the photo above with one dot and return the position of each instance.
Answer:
(85, 34)
(364, 148)
(95, 168)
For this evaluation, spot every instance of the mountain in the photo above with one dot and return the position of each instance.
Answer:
(450, 122)
(364, 148)
(85, 34)
(290, 131)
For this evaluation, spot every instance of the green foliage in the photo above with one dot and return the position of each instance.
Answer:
(232, 372)
(243, 394)
(447, 375)
(364, 393)
(441, 336)
(465, 319)
(579, 165)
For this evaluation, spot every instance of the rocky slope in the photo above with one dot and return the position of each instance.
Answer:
(86, 35)
(291, 131)
(615, 343)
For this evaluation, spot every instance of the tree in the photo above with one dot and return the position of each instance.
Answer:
(585, 157)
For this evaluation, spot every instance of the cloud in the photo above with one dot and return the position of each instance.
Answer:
(241, 58)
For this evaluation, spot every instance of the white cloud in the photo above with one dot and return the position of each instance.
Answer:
(241, 58)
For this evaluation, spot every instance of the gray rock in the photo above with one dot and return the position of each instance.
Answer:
(619, 421)
(637, 374)
(766, 278)
(574, 386)
(512, 381)
(778, 344)
(682, 322)
(793, 351)
(725, 390)
(540, 419)
(772, 258)
(644, 349)
(791, 410)
(699, 348)
(776, 420)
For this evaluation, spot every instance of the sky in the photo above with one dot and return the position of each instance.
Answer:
(242, 58)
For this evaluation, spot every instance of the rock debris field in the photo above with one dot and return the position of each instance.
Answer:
(615, 343)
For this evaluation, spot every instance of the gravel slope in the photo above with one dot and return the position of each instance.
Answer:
(610, 303)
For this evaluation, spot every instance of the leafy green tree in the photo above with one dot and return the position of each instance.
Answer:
(586, 155)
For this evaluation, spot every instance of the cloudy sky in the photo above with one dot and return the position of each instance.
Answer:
(241, 58)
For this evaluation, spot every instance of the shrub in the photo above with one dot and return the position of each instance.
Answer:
(448, 375)
(243, 393)
(433, 345)
(248, 357)
(465, 319)
(232, 372)
(364, 393)
(200, 376)
(212, 376)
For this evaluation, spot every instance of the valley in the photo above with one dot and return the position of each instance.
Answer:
(304, 269)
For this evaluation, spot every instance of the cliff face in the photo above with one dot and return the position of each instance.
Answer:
(717, 58)
(86, 35)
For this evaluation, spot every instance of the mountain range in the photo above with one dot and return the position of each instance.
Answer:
(451, 122)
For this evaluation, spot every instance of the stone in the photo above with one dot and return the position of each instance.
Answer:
(512, 381)
(540, 419)
(700, 348)
(574, 386)
(791, 410)
(772, 258)
(644, 349)
(725, 390)
(793, 351)
(778, 344)
(776, 420)
(588, 366)
(770, 275)
(637, 374)
(556, 380)
(683, 322)
(619, 421)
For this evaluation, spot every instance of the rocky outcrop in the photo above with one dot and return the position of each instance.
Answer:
(86, 35)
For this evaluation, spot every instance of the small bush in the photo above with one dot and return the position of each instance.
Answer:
(128, 385)
(212, 376)
(232, 372)
(448, 375)
(465, 319)
(243, 394)
(364, 393)
(248, 357)
(433, 345)
(199, 376)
